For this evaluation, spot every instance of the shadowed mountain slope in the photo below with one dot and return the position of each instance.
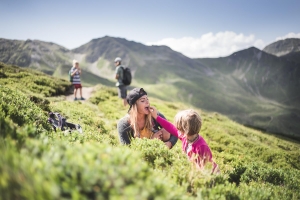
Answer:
(266, 89)
(43, 56)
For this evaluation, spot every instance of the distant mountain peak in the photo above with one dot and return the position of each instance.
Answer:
(283, 47)
(247, 52)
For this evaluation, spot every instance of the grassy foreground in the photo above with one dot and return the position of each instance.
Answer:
(38, 163)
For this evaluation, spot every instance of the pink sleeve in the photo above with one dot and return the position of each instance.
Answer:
(205, 155)
(167, 125)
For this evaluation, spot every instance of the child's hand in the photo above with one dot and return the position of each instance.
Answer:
(153, 112)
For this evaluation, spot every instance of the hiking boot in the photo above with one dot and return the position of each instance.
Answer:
(75, 99)
(82, 98)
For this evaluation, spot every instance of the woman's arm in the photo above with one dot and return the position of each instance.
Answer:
(73, 72)
(124, 130)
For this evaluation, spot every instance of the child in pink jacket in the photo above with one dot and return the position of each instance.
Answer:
(187, 127)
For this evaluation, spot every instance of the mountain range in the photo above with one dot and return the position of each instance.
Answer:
(258, 88)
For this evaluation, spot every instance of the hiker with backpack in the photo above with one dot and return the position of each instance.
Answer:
(138, 123)
(123, 76)
(75, 73)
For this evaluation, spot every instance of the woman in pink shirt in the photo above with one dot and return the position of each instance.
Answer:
(187, 127)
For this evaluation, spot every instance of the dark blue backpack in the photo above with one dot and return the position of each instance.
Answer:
(126, 75)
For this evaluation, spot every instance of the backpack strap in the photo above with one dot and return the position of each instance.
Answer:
(123, 72)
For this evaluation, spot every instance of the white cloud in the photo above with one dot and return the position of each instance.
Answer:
(289, 35)
(211, 45)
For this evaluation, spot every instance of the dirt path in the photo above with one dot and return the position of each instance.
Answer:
(86, 93)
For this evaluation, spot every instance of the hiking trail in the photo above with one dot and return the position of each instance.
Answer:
(86, 93)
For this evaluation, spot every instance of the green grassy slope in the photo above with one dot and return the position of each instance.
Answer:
(31, 81)
(37, 162)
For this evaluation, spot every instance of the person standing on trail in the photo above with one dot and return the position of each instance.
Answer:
(122, 90)
(75, 73)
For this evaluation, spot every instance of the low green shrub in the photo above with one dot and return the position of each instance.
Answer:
(154, 151)
(32, 82)
(236, 174)
(18, 107)
(103, 94)
(81, 171)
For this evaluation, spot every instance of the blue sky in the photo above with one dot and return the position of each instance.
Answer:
(196, 28)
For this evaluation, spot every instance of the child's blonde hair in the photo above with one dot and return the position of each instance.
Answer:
(74, 62)
(188, 122)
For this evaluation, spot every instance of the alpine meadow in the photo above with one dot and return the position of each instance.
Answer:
(248, 101)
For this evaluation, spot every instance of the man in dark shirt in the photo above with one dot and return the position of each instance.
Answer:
(122, 90)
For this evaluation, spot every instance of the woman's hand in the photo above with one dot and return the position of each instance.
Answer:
(157, 135)
(153, 112)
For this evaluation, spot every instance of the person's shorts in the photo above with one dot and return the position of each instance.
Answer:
(77, 86)
(122, 91)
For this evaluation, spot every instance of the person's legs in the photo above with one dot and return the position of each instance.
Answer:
(75, 93)
(125, 102)
(80, 92)
(122, 93)
(78, 86)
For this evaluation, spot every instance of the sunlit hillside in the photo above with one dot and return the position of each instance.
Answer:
(38, 163)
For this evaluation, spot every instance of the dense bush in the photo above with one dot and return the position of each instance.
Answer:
(81, 171)
(154, 152)
(18, 107)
